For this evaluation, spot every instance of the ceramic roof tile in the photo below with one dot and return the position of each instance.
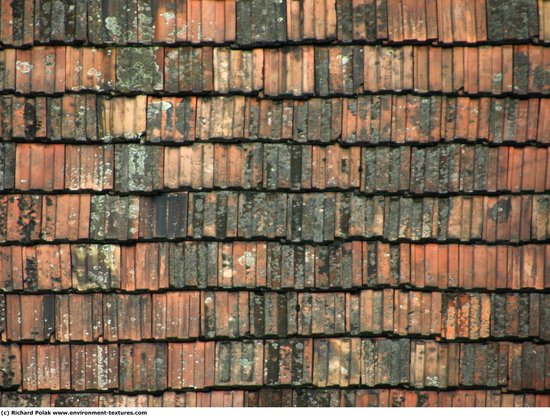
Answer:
(291, 203)
(212, 21)
(285, 397)
(366, 119)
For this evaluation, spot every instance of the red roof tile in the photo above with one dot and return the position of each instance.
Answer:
(257, 203)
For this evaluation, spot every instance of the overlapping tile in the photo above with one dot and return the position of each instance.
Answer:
(291, 203)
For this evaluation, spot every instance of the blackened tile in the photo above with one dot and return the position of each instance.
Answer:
(239, 363)
(138, 168)
(384, 361)
(10, 358)
(7, 166)
(143, 367)
(137, 69)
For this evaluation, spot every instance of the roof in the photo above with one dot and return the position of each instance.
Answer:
(275, 203)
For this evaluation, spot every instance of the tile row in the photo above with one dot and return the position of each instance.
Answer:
(253, 265)
(134, 168)
(243, 314)
(124, 168)
(250, 22)
(78, 117)
(286, 71)
(453, 168)
(28, 22)
(268, 397)
(366, 119)
(297, 217)
(444, 21)
(325, 362)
